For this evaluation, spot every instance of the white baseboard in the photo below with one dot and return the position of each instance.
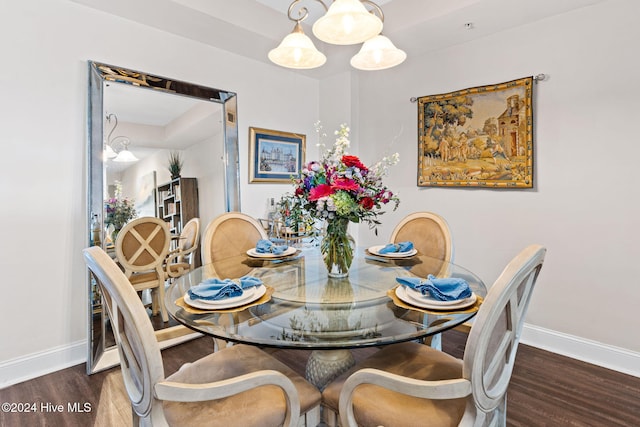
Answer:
(45, 362)
(621, 360)
(607, 356)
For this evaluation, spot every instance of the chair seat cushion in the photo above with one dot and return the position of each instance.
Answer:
(374, 405)
(262, 406)
(138, 279)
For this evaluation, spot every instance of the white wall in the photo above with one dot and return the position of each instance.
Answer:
(45, 45)
(584, 206)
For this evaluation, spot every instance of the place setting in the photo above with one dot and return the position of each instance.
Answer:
(391, 252)
(225, 295)
(432, 293)
(268, 250)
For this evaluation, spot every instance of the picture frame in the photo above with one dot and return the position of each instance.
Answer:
(275, 156)
(146, 199)
(477, 137)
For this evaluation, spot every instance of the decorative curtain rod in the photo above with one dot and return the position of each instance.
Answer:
(536, 78)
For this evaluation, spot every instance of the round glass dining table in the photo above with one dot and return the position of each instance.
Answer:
(305, 309)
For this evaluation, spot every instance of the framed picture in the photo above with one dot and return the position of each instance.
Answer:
(145, 202)
(275, 156)
(477, 137)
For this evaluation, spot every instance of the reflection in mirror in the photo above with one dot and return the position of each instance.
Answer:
(151, 118)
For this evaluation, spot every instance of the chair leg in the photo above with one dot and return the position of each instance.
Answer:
(329, 417)
(311, 418)
(163, 309)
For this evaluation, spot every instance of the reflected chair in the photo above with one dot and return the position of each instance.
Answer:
(141, 249)
(412, 384)
(181, 260)
(238, 383)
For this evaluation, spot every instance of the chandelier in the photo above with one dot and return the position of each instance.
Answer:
(345, 22)
(117, 148)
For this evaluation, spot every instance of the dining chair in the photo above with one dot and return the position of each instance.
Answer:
(431, 236)
(410, 384)
(429, 233)
(239, 384)
(182, 259)
(229, 235)
(141, 249)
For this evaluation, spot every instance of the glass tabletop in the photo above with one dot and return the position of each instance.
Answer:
(307, 309)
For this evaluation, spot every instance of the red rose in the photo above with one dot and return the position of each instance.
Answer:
(353, 161)
(367, 203)
(322, 190)
(299, 191)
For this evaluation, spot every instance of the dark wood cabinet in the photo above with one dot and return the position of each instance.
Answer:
(178, 202)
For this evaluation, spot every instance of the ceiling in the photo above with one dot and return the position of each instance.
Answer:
(253, 27)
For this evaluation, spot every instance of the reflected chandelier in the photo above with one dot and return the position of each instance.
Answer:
(117, 148)
(345, 22)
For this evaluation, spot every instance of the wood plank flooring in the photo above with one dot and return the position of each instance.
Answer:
(546, 390)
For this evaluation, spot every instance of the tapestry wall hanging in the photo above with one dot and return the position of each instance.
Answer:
(477, 137)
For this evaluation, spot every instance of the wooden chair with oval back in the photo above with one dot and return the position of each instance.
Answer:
(227, 236)
(240, 384)
(141, 249)
(182, 259)
(409, 383)
(429, 233)
(431, 236)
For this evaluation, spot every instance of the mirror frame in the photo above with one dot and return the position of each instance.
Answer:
(99, 356)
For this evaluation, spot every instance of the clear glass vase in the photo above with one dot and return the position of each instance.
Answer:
(337, 247)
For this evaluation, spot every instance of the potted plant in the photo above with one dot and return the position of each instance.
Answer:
(175, 164)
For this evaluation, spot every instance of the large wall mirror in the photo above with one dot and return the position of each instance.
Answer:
(151, 118)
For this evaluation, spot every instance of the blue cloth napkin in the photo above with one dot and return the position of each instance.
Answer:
(446, 289)
(218, 289)
(267, 246)
(396, 247)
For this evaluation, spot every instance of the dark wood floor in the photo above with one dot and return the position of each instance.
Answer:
(546, 389)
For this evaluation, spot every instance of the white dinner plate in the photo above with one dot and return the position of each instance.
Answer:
(375, 250)
(248, 296)
(426, 302)
(418, 297)
(255, 254)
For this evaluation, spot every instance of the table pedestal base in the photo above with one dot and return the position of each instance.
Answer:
(324, 366)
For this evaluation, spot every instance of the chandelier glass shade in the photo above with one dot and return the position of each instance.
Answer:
(345, 22)
(378, 53)
(297, 51)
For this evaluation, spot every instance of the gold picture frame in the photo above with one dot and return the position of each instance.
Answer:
(275, 156)
(477, 137)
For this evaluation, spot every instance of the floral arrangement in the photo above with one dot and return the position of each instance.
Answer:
(340, 185)
(119, 210)
(341, 189)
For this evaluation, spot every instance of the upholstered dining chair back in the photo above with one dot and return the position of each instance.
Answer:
(182, 259)
(409, 381)
(141, 249)
(242, 384)
(229, 235)
(491, 348)
(138, 348)
(429, 233)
